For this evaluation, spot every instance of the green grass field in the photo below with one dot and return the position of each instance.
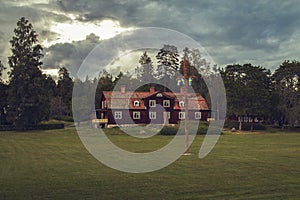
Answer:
(55, 165)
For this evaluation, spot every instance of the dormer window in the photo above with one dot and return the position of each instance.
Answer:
(136, 103)
(181, 103)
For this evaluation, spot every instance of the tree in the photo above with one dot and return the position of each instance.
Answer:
(145, 72)
(248, 90)
(3, 96)
(2, 68)
(27, 99)
(287, 89)
(168, 65)
(65, 89)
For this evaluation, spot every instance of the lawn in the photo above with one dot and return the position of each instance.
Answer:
(55, 165)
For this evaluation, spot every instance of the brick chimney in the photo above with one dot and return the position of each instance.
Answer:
(123, 89)
(152, 89)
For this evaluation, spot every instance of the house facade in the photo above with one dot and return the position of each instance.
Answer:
(126, 107)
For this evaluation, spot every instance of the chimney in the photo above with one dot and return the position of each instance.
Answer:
(123, 89)
(152, 89)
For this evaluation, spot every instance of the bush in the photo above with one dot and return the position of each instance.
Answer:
(172, 130)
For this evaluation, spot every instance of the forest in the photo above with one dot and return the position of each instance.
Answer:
(29, 97)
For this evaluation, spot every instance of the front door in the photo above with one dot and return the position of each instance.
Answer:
(166, 118)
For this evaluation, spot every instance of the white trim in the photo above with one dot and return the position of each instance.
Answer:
(118, 115)
(152, 103)
(181, 103)
(136, 115)
(198, 115)
(166, 103)
(136, 103)
(152, 115)
(181, 115)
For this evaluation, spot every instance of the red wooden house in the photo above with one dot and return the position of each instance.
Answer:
(126, 107)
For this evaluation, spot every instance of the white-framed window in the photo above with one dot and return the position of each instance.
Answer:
(118, 114)
(197, 115)
(181, 115)
(136, 115)
(152, 115)
(166, 103)
(152, 103)
(181, 103)
(136, 103)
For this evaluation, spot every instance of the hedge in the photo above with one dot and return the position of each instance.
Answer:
(172, 130)
(32, 127)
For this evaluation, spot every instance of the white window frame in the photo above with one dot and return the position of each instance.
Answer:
(181, 115)
(198, 115)
(136, 115)
(166, 103)
(153, 102)
(152, 115)
(181, 103)
(118, 115)
(136, 103)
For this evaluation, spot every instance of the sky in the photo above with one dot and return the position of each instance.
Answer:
(260, 32)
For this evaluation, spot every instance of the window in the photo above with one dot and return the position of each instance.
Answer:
(118, 115)
(181, 115)
(166, 103)
(197, 115)
(136, 103)
(152, 103)
(181, 103)
(152, 115)
(136, 115)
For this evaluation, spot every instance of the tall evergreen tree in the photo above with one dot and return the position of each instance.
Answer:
(168, 64)
(28, 101)
(145, 72)
(65, 89)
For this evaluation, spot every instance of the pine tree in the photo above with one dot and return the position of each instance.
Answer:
(168, 65)
(65, 89)
(28, 100)
(145, 71)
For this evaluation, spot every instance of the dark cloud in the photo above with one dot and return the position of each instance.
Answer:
(262, 31)
(69, 55)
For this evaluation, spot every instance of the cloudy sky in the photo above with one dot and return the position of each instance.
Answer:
(261, 32)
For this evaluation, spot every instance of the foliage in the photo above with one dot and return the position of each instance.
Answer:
(65, 89)
(145, 72)
(167, 59)
(27, 98)
(287, 90)
(248, 90)
(2, 68)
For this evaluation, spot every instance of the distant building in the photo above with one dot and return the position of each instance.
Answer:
(127, 107)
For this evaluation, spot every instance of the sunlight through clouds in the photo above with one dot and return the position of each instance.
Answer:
(76, 31)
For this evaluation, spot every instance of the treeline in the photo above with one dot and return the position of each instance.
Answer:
(29, 96)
